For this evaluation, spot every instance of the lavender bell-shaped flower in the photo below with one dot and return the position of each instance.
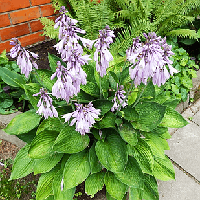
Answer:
(83, 117)
(102, 55)
(119, 99)
(45, 105)
(149, 60)
(24, 60)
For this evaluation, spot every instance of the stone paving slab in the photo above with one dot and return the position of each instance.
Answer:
(196, 118)
(185, 148)
(183, 188)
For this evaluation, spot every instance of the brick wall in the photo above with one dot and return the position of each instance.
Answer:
(19, 18)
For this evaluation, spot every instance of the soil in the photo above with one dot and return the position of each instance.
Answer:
(8, 150)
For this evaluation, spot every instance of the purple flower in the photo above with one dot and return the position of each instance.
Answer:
(83, 117)
(149, 60)
(102, 56)
(23, 59)
(45, 105)
(69, 79)
(68, 35)
(119, 98)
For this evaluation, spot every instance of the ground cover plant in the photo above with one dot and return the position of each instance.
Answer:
(105, 122)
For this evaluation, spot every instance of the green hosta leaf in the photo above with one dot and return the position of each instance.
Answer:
(41, 145)
(64, 194)
(135, 193)
(108, 121)
(103, 105)
(171, 103)
(94, 183)
(95, 165)
(112, 153)
(173, 119)
(12, 78)
(109, 197)
(130, 114)
(77, 169)
(149, 91)
(18, 125)
(128, 134)
(53, 62)
(184, 94)
(150, 115)
(43, 76)
(163, 169)
(113, 80)
(44, 188)
(157, 145)
(132, 174)
(51, 124)
(30, 89)
(143, 154)
(23, 165)
(28, 137)
(114, 187)
(70, 141)
(150, 191)
(90, 88)
(6, 103)
(46, 164)
(132, 97)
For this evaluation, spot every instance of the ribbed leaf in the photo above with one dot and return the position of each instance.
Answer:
(143, 154)
(64, 194)
(130, 114)
(114, 187)
(43, 76)
(173, 119)
(163, 169)
(41, 145)
(103, 105)
(53, 61)
(132, 174)
(44, 188)
(23, 165)
(128, 134)
(150, 191)
(108, 121)
(30, 89)
(70, 141)
(18, 125)
(12, 78)
(94, 183)
(50, 124)
(95, 165)
(135, 193)
(77, 169)
(150, 115)
(46, 164)
(91, 88)
(112, 153)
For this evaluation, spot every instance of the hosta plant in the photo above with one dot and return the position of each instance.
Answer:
(93, 121)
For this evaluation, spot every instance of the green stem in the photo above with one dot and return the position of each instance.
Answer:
(141, 94)
(100, 86)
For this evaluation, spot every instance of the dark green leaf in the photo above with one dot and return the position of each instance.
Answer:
(103, 105)
(70, 141)
(112, 153)
(18, 125)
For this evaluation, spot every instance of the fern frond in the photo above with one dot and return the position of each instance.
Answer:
(191, 34)
(49, 28)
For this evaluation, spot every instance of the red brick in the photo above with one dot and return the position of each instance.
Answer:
(5, 45)
(31, 39)
(4, 20)
(39, 2)
(36, 26)
(8, 5)
(25, 15)
(47, 10)
(16, 31)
